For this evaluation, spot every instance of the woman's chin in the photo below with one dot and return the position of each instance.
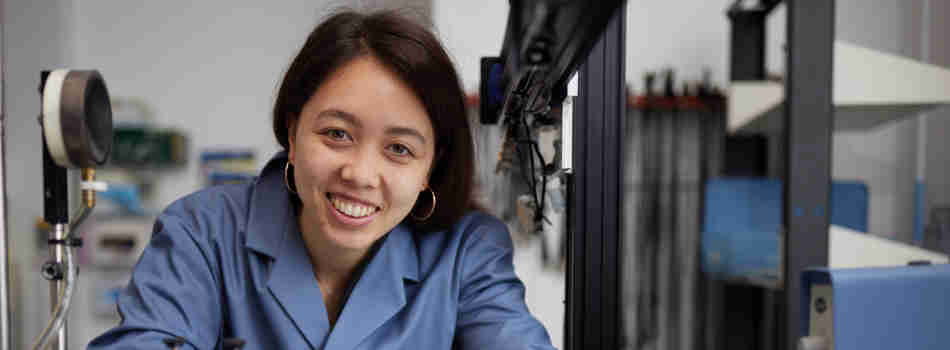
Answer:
(351, 240)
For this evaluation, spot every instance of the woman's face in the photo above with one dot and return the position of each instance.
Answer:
(361, 150)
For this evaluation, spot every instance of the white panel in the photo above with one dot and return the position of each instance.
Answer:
(849, 248)
(750, 99)
(864, 76)
(567, 128)
(866, 83)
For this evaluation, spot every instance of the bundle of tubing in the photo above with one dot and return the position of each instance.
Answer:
(59, 313)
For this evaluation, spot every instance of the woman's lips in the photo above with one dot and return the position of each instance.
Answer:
(351, 212)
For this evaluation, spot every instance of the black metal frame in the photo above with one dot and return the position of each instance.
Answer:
(807, 135)
(552, 35)
(809, 118)
(593, 280)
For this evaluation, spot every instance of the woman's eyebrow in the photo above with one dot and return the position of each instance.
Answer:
(403, 131)
(338, 114)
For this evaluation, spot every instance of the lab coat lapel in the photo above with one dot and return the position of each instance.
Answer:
(272, 231)
(294, 286)
(380, 292)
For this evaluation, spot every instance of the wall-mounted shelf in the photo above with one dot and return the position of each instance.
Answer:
(869, 87)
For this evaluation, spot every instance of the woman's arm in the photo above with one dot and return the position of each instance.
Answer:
(173, 293)
(492, 311)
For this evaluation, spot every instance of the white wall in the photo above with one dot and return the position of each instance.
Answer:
(470, 30)
(686, 35)
(37, 35)
(885, 158)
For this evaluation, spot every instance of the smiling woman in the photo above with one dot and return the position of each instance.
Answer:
(362, 234)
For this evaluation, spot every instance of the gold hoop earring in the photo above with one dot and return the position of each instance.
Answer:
(286, 182)
(431, 211)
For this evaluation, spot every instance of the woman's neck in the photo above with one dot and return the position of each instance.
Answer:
(333, 266)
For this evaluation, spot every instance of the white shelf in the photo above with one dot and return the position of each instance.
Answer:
(852, 249)
(869, 88)
(847, 249)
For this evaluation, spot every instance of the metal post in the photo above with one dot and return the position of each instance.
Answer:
(56, 286)
(594, 241)
(808, 124)
(6, 338)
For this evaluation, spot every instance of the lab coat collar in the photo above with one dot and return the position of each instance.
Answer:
(270, 206)
(378, 295)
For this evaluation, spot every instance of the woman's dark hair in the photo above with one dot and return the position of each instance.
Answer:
(416, 56)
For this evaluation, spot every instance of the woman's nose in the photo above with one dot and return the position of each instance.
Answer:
(361, 171)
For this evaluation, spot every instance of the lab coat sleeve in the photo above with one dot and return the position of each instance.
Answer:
(492, 311)
(173, 292)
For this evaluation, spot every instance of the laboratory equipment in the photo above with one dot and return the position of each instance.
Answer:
(112, 243)
(545, 42)
(76, 121)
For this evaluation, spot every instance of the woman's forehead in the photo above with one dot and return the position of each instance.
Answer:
(366, 91)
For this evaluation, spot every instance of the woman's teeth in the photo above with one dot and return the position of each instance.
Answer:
(351, 208)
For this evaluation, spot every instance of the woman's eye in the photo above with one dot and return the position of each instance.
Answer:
(400, 149)
(337, 134)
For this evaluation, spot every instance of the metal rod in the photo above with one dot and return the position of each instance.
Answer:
(57, 251)
(6, 339)
(61, 288)
(59, 313)
(61, 291)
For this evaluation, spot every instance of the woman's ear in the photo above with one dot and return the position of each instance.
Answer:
(291, 139)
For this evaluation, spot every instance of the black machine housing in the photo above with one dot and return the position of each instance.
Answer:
(545, 42)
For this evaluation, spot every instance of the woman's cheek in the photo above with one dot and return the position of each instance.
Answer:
(413, 183)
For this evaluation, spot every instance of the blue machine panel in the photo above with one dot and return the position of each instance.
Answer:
(743, 219)
(886, 308)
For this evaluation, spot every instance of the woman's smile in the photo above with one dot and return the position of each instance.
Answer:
(350, 211)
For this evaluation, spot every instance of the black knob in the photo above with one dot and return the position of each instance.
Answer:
(174, 343)
(52, 271)
(233, 343)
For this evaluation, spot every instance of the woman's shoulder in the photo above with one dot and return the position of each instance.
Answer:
(478, 226)
(212, 209)
(477, 219)
(466, 242)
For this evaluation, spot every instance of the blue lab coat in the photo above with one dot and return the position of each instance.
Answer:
(229, 261)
